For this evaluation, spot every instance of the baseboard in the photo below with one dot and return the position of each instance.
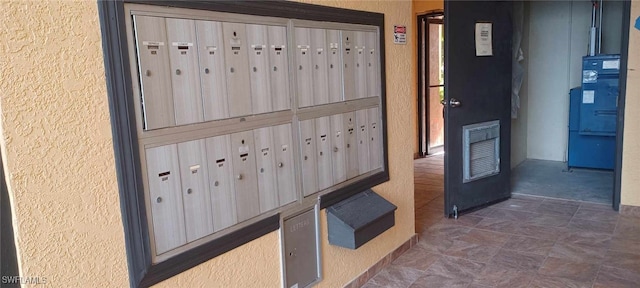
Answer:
(633, 211)
(384, 262)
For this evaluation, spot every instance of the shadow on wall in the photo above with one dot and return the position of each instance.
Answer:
(8, 261)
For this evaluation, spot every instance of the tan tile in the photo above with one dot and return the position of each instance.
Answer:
(512, 215)
(540, 232)
(529, 245)
(517, 260)
(610, 277)
(498, 225)
(438, 281)
(628, 227)
(446, 230)
(494, 276)
(575, 271)
(450, 267)
(630, 211)
(519, 204)
(464, 220)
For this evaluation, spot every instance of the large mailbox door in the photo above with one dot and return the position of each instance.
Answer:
(308, 151)
(266, 169)
(304, 73)
(221, 183)
(166, 200)
(362, 135)
(338, 159)
(300, 246)
(246, 181)
(323, 143)
(237, 70)
(361, 67)
(373, 65)
(349, 59)
(319, 62)
(155, 78)
(279, 69)
(351, 144)
(194, 176)
(375, 145)
(334, 59)
(259, 64)
(212, 70)
(283, 148)
(185, 77)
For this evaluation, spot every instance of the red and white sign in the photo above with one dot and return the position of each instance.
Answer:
(399, 34)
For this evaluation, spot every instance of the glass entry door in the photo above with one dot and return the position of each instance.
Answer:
(431, 83)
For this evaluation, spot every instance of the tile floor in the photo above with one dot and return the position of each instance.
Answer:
(522, 242)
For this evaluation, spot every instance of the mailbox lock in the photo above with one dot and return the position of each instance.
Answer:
(216, 183)
(189, 191)
(331, 66)
(255, 69)
(261, 170)
(280, 164)
(178, 72)
(232, 70)
(275, 68)
(305, 157)
(321, 153)
(206, 70)
(348, 145)
(300, 67)
(335, 149)
(239, 177)
(317, 67)
(159, 199)
(148, 73)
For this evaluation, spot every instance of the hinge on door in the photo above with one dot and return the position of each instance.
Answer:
(455, 212)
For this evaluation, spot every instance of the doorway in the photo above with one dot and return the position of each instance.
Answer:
(430, 83)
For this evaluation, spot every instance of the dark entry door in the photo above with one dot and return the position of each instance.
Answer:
(478, 98)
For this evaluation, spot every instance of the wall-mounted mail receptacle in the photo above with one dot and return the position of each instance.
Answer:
(301, 253)
(358, 219)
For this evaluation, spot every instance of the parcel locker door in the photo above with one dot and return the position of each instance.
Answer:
(279, 69)
(194, 176)
(361, 65)
(259, 64)
(283, 148)
(348, 59)
(221, 183)
(351, 144)
(212, 70)
(185, 78)
(167, 211)
(244, 170)
(323, 154)
(334, 59)
(373, 61)
(362, 135)
(338, 159)
(308, 151)
(266, 169)
(319, 62)
(155, 78)
(304, 72)
(237, 70)
(375, 143)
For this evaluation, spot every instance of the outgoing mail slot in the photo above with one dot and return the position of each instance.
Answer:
(259, 69)
(319, 61)
(246, 181)
(338, 151)
(266, 169)
(194, 173)
(221, 182)
(308, 151)
(167, 212)
(304, 73)
(279, 68)
(237, 70)
(334, 59)
(185, 78)
(154, 70)
(323, 142)
(212, 70)
(284, 161)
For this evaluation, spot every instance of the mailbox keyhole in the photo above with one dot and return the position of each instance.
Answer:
(242, 141)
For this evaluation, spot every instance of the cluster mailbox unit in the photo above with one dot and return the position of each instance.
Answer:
(240, 117)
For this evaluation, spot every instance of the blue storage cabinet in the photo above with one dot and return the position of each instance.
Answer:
(587, 151)
(600, 89)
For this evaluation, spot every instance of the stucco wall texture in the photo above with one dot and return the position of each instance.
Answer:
(57, 147)
(630, 194)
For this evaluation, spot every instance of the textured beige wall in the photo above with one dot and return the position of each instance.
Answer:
(56, 139)
(630, 194)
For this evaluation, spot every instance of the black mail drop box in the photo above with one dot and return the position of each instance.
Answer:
(359, 218)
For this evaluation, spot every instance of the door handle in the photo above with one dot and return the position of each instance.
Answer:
(453, 103)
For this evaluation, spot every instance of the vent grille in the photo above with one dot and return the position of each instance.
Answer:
(481, 150)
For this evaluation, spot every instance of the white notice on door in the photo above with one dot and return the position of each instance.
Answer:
(588, 97)
(483, 39)
(611, 64)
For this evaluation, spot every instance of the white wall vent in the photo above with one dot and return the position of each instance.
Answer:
(480, 150)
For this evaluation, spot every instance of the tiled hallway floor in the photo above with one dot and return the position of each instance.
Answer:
(522, 242)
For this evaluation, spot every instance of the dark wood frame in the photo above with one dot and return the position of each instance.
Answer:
(142, 272)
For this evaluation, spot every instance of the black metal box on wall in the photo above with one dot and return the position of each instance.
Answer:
(359, 218)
